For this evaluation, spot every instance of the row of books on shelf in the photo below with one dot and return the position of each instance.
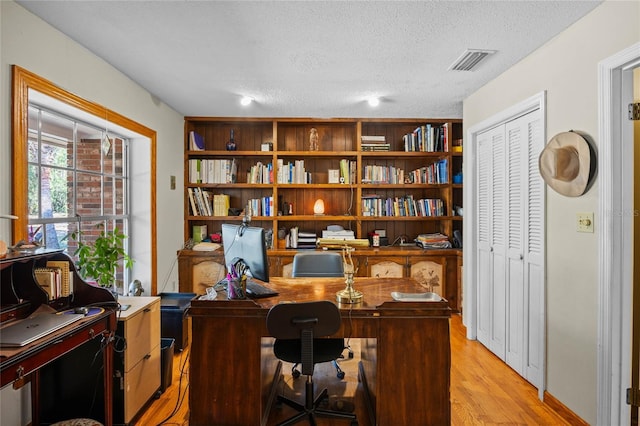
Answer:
(205, 203)
(260, 173)
(261, 207)
(292, 172)
(374, 205)
(382, 174)
(213, 170)
(427, 138)
(435, 173)
(295, 172)
(55, 278)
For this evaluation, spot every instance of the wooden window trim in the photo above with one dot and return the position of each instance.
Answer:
(24, 80)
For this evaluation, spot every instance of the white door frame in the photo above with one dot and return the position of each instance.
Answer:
(615, 221)
(470, 229)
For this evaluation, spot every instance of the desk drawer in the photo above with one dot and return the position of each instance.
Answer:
(141, 382)
(142, 334)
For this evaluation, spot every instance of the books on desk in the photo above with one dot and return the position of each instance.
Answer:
(55, 278)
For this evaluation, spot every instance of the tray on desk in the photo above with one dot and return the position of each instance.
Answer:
(416, 297)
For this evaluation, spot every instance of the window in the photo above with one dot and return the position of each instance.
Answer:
(78, 180)
(54, 132)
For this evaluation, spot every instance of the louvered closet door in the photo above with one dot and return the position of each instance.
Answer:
(533, 362)
(524, 252)
(510, 244)
(497, 342)
(516, 157)
(484, 224)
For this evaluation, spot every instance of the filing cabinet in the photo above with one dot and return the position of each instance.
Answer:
(137, 360)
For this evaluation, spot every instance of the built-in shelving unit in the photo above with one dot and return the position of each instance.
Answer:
(291, 204)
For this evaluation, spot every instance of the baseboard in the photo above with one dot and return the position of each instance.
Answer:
(562, 410)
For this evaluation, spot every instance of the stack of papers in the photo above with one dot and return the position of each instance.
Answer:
(433, 241)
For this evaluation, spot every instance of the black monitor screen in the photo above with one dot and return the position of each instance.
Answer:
(247, 243)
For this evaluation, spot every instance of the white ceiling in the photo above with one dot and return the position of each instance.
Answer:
(310, 58)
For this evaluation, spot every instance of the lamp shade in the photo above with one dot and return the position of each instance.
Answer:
(318, 207)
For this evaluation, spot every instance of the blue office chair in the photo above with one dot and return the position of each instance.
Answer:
(298, 329)
(319, 264)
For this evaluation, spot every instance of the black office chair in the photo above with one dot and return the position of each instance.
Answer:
(319, 264)
(298, 329)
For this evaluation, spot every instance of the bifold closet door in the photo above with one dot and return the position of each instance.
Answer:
(510, 243)
(525, 245)
(490, 245)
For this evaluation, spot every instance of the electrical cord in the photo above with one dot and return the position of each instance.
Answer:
(173, 264)
(349, 209)
(181, 395)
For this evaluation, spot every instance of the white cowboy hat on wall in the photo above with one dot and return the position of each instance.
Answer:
(568, 164)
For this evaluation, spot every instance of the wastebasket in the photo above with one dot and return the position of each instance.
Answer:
(166, 358)
(173, 322)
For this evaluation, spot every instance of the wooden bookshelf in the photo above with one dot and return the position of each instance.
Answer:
(338, 139)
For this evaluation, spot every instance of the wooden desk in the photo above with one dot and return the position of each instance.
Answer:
(21, 295)
(232, 371)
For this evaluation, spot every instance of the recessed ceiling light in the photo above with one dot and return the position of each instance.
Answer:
(374, 102)
(246, 100)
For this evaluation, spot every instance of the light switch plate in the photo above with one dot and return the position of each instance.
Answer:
(584, 222)
(173, 182)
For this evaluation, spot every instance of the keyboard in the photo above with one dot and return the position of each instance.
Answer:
(256, 290)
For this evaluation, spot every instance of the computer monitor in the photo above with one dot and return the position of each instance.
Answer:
(247, 243)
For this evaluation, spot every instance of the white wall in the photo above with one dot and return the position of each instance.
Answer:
(29, 42)
(566, 68)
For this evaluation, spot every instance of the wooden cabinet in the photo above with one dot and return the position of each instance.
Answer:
(435, 270)
(198, 270)
(281, 185)
(137, 364)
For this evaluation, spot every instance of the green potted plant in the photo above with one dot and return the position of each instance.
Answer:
(98, 260)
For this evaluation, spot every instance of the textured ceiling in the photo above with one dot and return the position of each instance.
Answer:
(309, 58)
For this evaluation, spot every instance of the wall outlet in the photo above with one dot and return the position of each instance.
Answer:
(584, 222)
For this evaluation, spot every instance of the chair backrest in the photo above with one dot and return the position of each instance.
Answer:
(317, 264)
(304, 322)
(288, 320)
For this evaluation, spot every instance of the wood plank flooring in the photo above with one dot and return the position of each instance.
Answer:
(484, 390)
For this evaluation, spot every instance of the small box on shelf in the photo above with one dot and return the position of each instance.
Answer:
(199, 233)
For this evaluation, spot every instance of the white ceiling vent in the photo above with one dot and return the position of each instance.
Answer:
(469, 59)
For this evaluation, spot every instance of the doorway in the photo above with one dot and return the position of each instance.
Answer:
(615, 219)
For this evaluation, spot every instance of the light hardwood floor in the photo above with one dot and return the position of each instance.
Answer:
(484, 391)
